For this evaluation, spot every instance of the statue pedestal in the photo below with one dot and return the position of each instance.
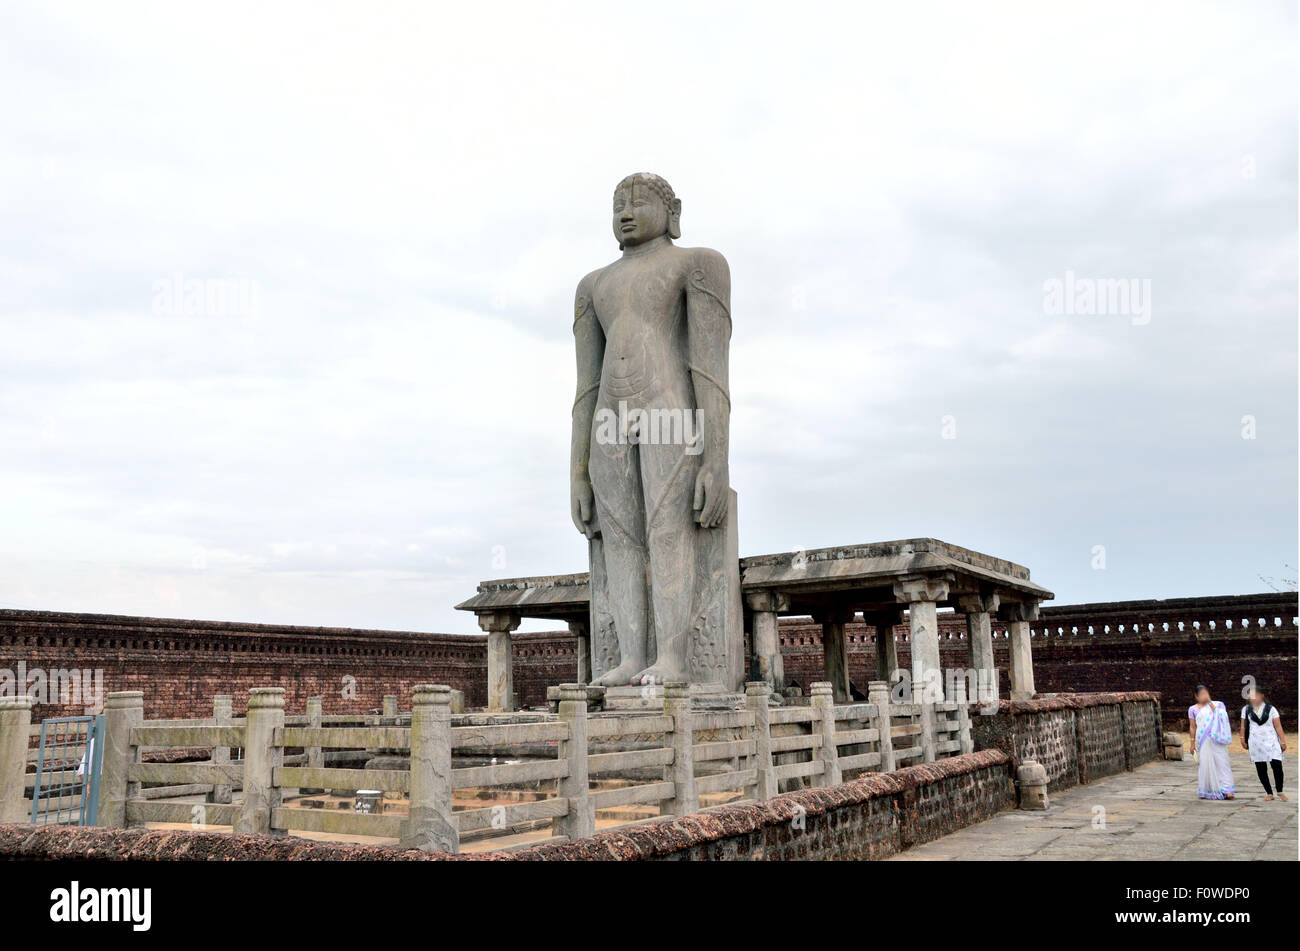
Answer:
(703, 697)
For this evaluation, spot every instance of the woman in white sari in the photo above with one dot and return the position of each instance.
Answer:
(1211, 733)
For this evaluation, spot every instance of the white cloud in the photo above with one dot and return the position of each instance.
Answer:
(416, 190)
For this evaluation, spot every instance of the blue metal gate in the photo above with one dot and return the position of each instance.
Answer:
(66, 790)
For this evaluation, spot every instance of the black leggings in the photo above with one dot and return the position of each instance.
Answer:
(1262, 769)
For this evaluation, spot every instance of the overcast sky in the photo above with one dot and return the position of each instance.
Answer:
(411, 193)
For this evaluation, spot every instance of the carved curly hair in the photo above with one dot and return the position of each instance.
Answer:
(650, 180)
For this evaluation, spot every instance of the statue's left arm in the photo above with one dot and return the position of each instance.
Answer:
(708, 319)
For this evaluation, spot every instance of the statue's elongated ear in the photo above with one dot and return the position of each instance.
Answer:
(675, 218)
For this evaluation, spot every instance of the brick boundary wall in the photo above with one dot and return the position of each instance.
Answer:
(1164, 645)
(181, 664)
(1167, 646)
(872, 817)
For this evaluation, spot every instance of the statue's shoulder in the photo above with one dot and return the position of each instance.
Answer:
(589, 281)
(711, 261)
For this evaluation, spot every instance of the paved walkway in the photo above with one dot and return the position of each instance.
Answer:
(1151, 813)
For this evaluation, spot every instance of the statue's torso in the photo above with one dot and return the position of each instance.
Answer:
(641, 306)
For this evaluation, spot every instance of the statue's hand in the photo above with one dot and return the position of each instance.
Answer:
(583, 505)
(712, 495)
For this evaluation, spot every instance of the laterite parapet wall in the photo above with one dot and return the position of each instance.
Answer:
(1167, 646)
(1078, 738)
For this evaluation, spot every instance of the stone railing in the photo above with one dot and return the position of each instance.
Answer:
(669, 759)
(872, 817)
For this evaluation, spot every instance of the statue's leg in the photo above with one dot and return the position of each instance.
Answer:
(616, 483)
(668, 473)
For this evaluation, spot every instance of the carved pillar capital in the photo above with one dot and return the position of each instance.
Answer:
(767, 600)
(834, 615)
(498, 622)
(978, 603)
(914, 590)
(885, 617)
(1019, 611)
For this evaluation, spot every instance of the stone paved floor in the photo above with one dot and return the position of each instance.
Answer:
(1151, 813)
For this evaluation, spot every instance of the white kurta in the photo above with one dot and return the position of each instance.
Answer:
(1264, 744)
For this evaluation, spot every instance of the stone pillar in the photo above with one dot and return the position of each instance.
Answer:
(261, 757)
(1018, 617)
(223, 712)
(430, 825)
(756, 694)
(979, 629)
(922, 596)
(765, 608)
(581, 820)
(677, 704)
(835, 650)
(389, 709)
(878, 694)
(582, 633)
(886, 646)
(823, 702)
(123, 712)
(15, 727)
(500, 660)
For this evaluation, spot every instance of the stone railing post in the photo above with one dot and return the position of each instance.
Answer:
(430, 825)
(581, 819)
(923, 690)
(389, 705)
(823, 701)
(677, 704)
(123, 712)
(15, 728)
(223, 712)
(963, 716)
(261, 757)
(315, 717)
(315, 755)
(756, 694)
(878, 694)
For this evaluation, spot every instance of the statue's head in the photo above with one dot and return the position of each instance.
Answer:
(645, 208)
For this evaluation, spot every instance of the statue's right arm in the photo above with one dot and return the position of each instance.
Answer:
(589, 343)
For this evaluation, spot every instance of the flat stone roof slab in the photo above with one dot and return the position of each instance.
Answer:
(860, 576)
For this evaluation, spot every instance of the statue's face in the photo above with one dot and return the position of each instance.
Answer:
(640, 215)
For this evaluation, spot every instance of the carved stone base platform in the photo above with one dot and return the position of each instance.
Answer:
(703, 697)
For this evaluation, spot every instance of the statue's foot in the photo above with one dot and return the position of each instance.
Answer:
(622, 675)
(660, 674)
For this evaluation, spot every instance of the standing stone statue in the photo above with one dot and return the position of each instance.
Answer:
(650, 486)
